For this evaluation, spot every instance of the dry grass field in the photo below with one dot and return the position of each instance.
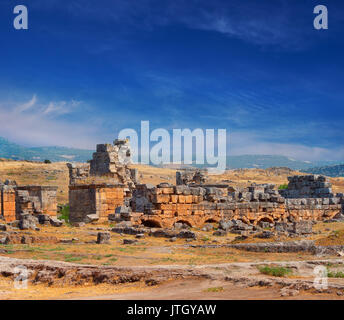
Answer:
(56, 174)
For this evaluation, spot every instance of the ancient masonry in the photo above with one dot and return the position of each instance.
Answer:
(16, 201)
(165, 205)
(97, 188)
(109, 161)
(95, 201)
(191, 201)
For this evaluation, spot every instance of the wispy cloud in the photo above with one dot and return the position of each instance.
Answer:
(244, 142)
(35, 123)
(27, 105)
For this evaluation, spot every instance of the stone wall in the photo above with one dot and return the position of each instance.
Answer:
(94, 200)
(7, 203)
(310, 186)
(36, 200)
(190, 176)
(165, 205)
(78, 172)
(109, 164)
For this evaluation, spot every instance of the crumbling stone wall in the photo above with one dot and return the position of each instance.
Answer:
(36, 200)
(109, 163)
(165, 205)
(94, 200)
(310, 186)
(7, 203)
(190, 176)
(78, 172)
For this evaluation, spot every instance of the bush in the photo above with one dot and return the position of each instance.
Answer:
(64, 213)
(283, 186)
(275, 271)
(47, 161)
(333, 274)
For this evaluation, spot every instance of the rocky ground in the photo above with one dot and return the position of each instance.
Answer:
(68, 262)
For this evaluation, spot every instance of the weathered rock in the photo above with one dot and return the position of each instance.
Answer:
(129, 241)
(103, 237)
(286, 292)
(55, 222)
(226, 224)
(180, 226)
(186, 234)
(78, 224)
(43, 219)
(3, 227)
(163, 233)
(265, 235)
(220, 233)
(27, 221)
(129, 230)
(303, 227)
(208, 227)
(91, 218)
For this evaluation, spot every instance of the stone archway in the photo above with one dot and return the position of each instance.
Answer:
(210, 221)
(265, 219)
(151, 223)
(185, 222)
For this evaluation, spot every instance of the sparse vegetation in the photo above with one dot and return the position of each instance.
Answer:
(283, 186)
(275, 271)
(71, 258)
(64, 213)
(46, 161)
(335, 274)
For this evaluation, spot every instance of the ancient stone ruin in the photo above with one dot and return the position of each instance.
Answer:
(17, 201)
(91, 202)
(191, 176)
(166, 205)
(191, 202)
(97, 188)
(110, 163)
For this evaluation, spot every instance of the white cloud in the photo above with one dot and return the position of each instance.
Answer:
(246, 143)
(39, 124)
(25, 106)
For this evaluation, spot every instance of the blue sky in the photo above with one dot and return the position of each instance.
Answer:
(86, 69)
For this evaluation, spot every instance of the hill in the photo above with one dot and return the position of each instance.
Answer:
(331, 171)
(266, 161)
(10, 150)
(14, 151)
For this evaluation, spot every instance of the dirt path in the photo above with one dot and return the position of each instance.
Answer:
(220, 281)
(199, 289)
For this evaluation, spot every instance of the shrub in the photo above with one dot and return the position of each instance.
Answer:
(47, 161)
(283, 186)
(335, 274)
(275, 271)
(64, 213)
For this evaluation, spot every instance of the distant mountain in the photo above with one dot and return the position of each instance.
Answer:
(331, 171)
(266, 161)
(14, 151)
(263, 162)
